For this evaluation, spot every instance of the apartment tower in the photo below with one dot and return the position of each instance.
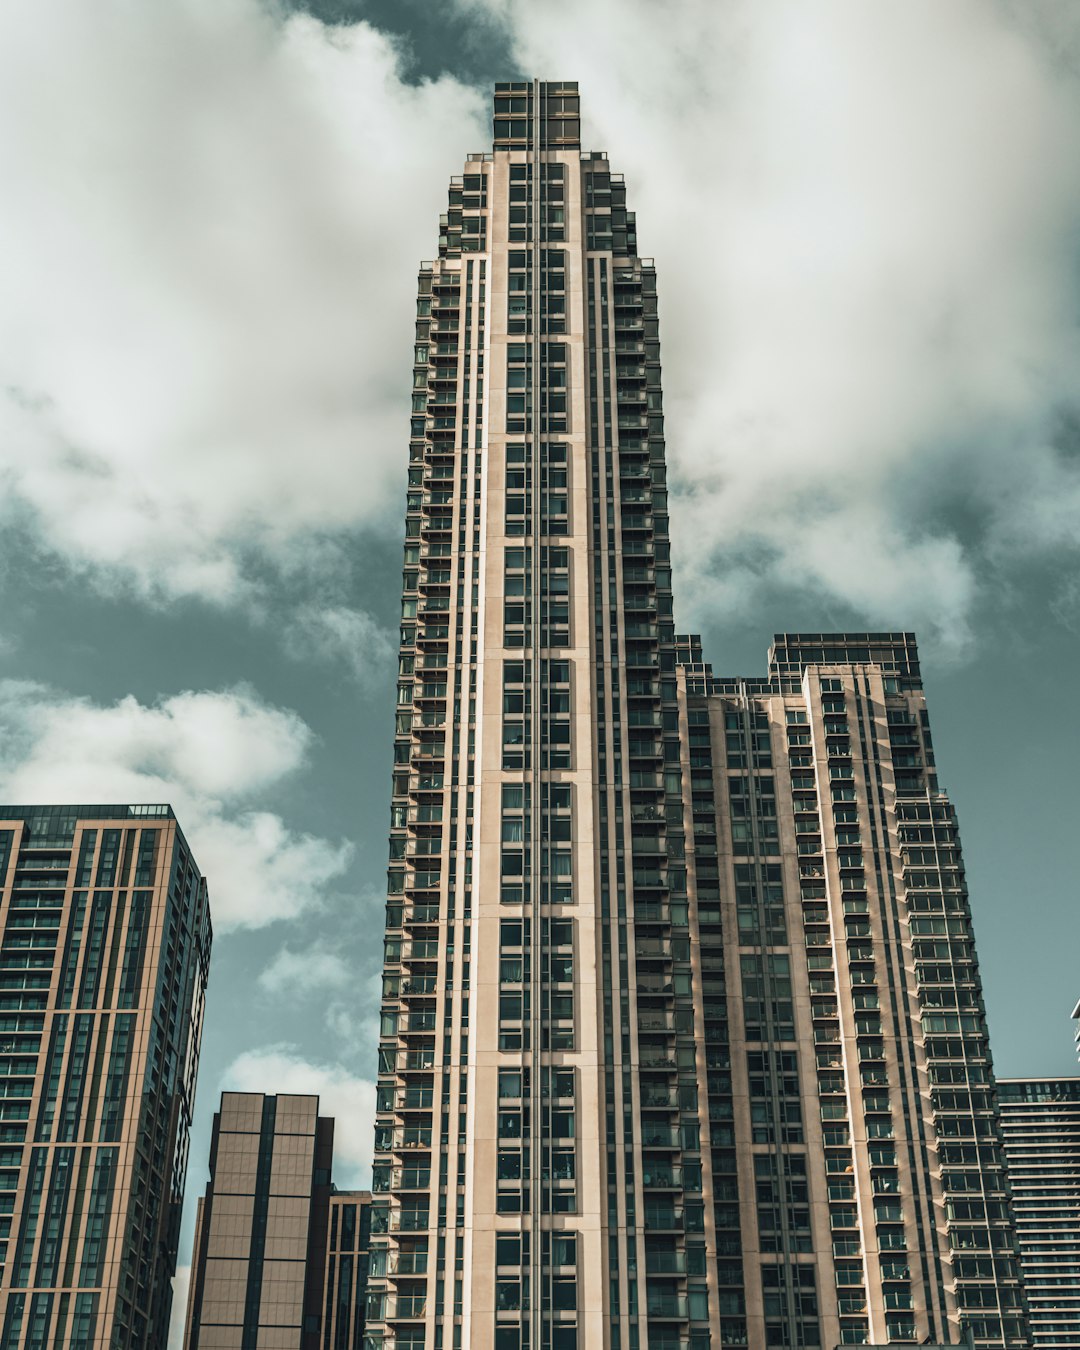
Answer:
(618, 1104)
(1040, 1122)
(104, 957)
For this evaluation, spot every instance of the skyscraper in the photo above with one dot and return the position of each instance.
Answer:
(1040, 1122)
(657, 1064)
(104, 959)
(848, 1079)
(280, 1257)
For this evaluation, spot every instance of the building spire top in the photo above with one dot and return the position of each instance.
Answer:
(537, 114)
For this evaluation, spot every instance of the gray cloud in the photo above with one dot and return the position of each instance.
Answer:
(212, 755)
(864, 219)
(212, 219)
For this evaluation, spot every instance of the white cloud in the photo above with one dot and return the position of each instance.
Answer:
(864, 220)
(306, 974)
(349, 1099)
(212, 220)
(209, 754)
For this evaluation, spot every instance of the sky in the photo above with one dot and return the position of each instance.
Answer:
(865, 220)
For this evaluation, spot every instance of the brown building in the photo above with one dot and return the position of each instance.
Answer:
(104, 957)
(280, 1260)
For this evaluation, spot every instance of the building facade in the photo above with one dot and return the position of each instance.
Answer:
(104, 958)
(280, 1256)
(1040, 1123)
(666, 1057)
(345, 1283)
(847, 1066)
(261, 1227)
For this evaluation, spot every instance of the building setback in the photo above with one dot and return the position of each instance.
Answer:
(104, 957)
(682, 1041)
(1040, 1124)
(280, 1259)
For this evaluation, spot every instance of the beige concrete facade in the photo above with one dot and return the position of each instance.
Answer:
(103, 968)
(580, 1139)
(873, 1205)
(495, 1140)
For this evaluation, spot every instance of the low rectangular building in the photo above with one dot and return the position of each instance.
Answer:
(280, 1260)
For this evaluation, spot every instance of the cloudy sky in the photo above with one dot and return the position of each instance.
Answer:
(865, 220)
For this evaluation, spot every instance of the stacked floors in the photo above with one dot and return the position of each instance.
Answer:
(533, 1172)
(659, 1063)
(104, 958)
(851, 1104)
(1040, 1122)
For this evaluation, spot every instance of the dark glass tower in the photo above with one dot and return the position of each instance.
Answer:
(578, 1129)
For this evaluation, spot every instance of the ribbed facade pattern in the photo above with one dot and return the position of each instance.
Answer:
(1040, 1125)
(682, 1040)
(104, 956)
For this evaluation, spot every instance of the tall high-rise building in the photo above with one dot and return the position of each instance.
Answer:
(1040, 1124)
(848, 1079)
(104, 957)
(280, 1256)
(682, 1042)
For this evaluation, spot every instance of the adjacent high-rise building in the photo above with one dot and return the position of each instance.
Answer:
(104, 957)
(682, 1041)
(1040, 1124)
(280, 1258)
(848, 1077)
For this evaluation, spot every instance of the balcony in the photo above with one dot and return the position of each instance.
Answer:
(663, 1218)
(655, 1063)
(419, 950)
(408, 1220)
(419, 984)
(666, 1307)
(405, 1307)
(661, 1177)
(402, 1138)
(424, 848)
(420, 914)
(651, 985)
(406, 1263)
(665, 1263)
(401, 1179)
(414, 1099)
(656, 949)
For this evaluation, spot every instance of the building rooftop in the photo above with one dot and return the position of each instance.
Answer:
(1039, 1089)
(529, 109)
